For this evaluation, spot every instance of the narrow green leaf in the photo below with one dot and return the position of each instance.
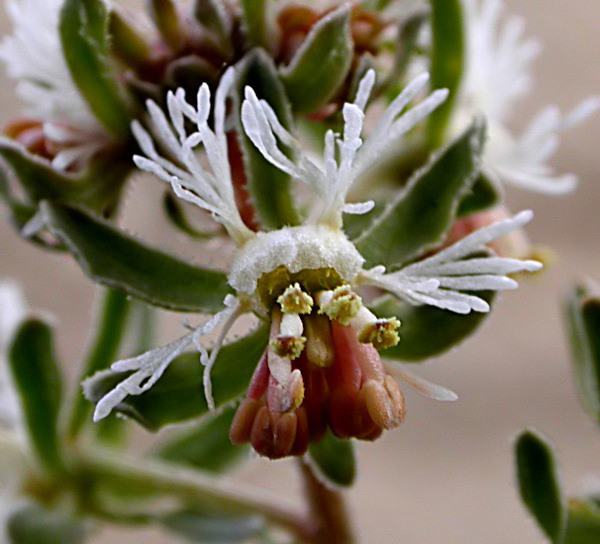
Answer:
(213, 15)
(206, 446)
(213, 528)
(539, 484)
(32, 524)
(447, 61)
(165, 17)
(420, 216)
(84, 37)
(483, 195)
(583, 523)
(179, 395)
(254, 23)
(427, 331)
(269, 187)
(334, 459)
(98, 186)
(112, 258)
(583, 321)
(39, 383)
(126, 42)
(35, 175)
(322, 62)
(104, 350)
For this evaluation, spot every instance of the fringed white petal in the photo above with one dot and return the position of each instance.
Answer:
(345, 157)
(149, 367)
(210, 189)
(420, 385)
(438, 280)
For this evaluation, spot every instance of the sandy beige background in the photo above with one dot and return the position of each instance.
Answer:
(447, 475)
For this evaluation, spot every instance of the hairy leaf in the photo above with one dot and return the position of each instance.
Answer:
(112, 258)
(420, 216)
(321, 64)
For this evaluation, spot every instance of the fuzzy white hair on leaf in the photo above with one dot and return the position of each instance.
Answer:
(346, 157)
(420, 385)
(440, 279)
(210, 189)
(149, 367)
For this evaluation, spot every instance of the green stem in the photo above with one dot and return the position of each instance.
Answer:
(104, 350)
(447, 62)
(328, 511)
(194, 489)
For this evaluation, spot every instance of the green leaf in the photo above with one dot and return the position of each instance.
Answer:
(103, 351)
(420, 216)
(84, 36)
(213, 15)
(254, 23)
(583, 321)
(447, 61)
(483, 195)
(213, 528)
(32, 524)
(179, 394)
(583, 523)
(206, 446)
(98, 186)
(334, 459)
(125, 41)
(322, 62)
(427, 331)
(39, 382)
(539, 484)
(165, 17)
(112, 258)
(268, 186)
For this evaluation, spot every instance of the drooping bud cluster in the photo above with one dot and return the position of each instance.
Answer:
(320, 370)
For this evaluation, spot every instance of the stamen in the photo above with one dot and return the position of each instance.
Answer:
(342, 304)
(295, 301)
(383, 333)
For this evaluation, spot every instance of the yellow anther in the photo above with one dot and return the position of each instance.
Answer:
(383, 333)
(295, 301)
(289, 347)
(342, 304)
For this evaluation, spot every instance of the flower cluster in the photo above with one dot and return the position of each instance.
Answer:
(322, 367)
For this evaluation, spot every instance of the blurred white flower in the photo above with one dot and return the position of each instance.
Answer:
(498, 74)
(34, 57)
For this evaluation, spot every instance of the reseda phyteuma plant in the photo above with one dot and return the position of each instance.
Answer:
(344, 226)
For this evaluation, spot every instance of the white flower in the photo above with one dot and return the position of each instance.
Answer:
(497, 74)
(33, 55)
(318, 248)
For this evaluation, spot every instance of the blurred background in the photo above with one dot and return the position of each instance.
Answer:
(447, 474)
